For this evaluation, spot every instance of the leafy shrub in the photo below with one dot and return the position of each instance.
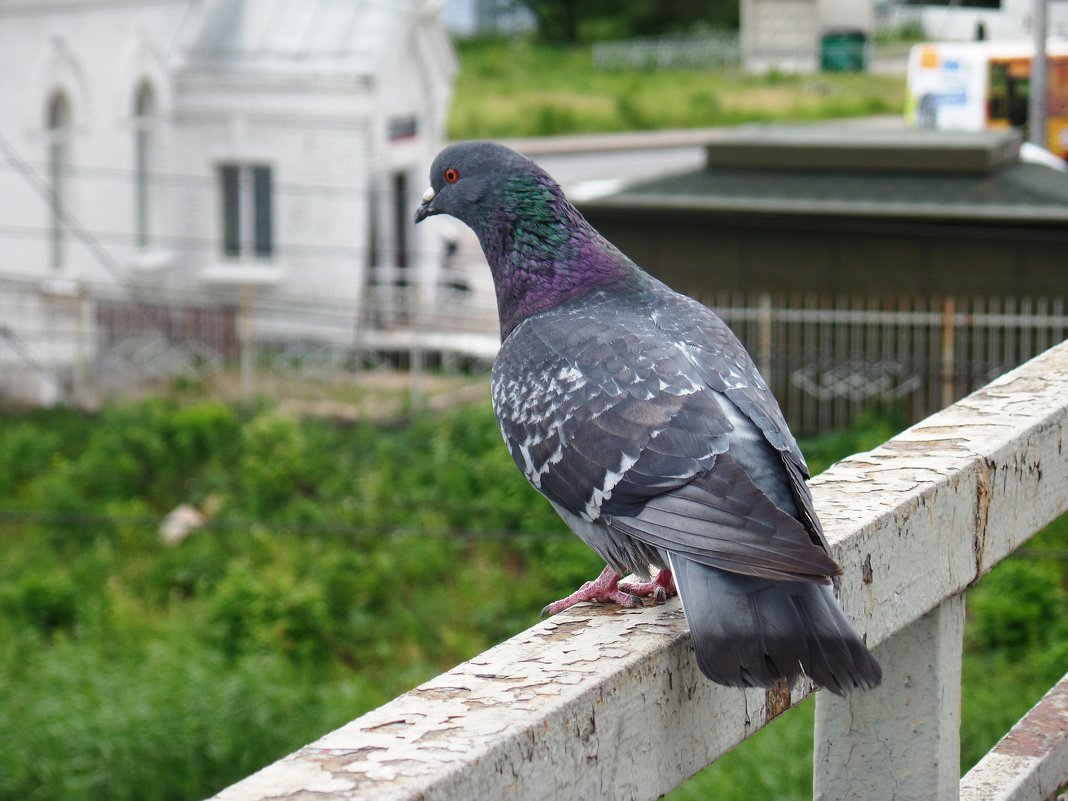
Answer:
(25, 451)
(150, 450)
(266, 611)
(551, 119)
(632, 114)
(1021, 605)
(275, 462)
(706, 105)
(169, 721)
(48, 602)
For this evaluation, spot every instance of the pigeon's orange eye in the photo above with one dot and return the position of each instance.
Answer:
(451, 176)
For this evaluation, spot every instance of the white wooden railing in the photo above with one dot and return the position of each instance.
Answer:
(608, 703)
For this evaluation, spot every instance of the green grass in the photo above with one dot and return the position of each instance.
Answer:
(509, 88)
(339, 570)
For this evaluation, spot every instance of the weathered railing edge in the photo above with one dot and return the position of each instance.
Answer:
(1029, 762)
(527, 718)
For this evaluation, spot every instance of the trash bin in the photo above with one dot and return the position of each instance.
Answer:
(843, 51)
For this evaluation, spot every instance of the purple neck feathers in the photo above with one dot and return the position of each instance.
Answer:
(543, 253)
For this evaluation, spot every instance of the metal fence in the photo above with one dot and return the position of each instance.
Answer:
(706, 51)
(84, 343)
(884, 51)
(826, 358)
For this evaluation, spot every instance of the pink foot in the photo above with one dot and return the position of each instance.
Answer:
(661, 588)
(604, 588)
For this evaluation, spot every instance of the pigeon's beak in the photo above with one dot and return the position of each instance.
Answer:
(425, 209)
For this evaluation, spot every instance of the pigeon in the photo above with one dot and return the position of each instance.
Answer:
(642, 419)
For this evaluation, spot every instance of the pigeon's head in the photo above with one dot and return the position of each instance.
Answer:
(539, 248)
(469, 178)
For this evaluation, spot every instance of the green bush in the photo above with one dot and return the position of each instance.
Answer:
(552, 119)
(47, 602)
(25, 451)
(276, 465)
(168, 721)
(1020, 606)
(149, 451)
(261, 611)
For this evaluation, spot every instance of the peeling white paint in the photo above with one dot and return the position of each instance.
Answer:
(307, 775)
(1031, 761)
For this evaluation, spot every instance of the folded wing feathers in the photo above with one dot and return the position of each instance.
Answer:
(629, 436)
(722, 519)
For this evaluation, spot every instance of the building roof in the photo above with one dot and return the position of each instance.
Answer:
(340, 36)
(824, 171)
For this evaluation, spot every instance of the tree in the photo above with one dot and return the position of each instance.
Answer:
(569, 21)
(558, 20)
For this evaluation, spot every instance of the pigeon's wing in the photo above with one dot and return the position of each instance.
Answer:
(724, 364)
(722, 519)
(606, 417)
(594, 412)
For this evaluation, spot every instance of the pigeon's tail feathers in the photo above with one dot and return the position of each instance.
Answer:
(751, 632)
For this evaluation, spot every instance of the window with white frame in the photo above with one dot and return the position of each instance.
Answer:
(59, 125)
(144, 155)
(246, 193)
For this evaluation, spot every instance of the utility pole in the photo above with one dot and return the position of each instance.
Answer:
(1038, 92)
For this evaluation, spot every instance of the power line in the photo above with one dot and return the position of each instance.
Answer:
(213, 245)
(318, 311)
(23, 351)
(200, 243)
(195, 181)
(190, 4)
(81, 520)
(206, 183)
(70, 222)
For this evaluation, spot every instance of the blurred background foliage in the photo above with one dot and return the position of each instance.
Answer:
(342, 565)
(510, 87)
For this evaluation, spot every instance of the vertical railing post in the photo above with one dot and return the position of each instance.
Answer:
(949, 345)
(765, 322)
(82, 329)
(900, 741)
(246, 353)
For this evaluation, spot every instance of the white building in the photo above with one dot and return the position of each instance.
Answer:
(790, 35)
(479, 17)
(187, 153)
(994, 20)
(786, 35)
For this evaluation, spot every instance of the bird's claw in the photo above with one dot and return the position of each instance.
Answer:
(660, 588)
(605, 588)
(624, 599)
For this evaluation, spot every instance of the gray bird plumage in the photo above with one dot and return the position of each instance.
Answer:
(640, 416)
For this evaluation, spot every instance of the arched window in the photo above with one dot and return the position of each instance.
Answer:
(144, 147)
(59, 124)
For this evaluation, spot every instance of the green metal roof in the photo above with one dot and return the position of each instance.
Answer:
(901, 174)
